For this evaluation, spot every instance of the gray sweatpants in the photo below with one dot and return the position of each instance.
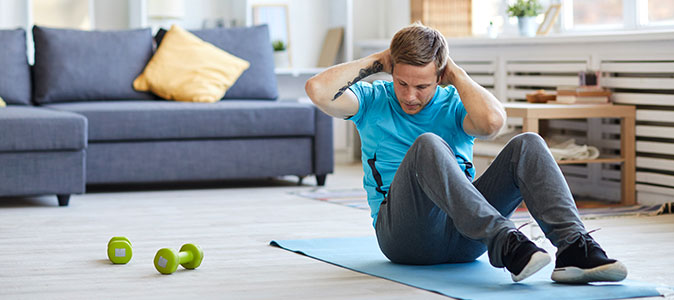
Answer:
(434, 214)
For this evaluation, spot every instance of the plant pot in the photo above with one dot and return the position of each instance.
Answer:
(281, 59)
(527, 26)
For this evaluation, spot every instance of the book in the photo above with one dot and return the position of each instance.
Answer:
(581, 88)
(582, 94)
(577, 102)
(601, 93)
(582, 99)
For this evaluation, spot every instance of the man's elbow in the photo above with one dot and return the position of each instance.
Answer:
(312, 88)
(493, 125)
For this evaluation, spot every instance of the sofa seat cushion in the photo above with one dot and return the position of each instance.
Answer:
(169, 120)
(26, 128)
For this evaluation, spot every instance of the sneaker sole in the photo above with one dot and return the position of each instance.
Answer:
(537, 261)
(610, 272)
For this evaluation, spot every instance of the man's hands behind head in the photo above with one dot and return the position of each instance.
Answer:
(384, 57)
(450, 73)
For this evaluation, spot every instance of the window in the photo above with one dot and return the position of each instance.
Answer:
(582, 15)
(594, 14)
(597, 15)
(660, 12)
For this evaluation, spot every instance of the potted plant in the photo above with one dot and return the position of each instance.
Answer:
(526, 12)
(280, 54)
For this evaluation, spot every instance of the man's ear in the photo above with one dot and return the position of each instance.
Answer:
(441, 75)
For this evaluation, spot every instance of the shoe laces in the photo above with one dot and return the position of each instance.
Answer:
(510, 242)
(584, 240)
(525, 224)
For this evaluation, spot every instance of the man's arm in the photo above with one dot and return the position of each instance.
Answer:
(485, 114)
(329, 90)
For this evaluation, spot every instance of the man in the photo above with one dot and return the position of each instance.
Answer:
(417, 140)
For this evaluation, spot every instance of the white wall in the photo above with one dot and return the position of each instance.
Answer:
(237, 9)
(308, 27)
(198, 11)
(378, 20)
(111, 14)
(398, 16)
(14, 14)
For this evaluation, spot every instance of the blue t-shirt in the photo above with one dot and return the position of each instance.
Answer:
(387, 132)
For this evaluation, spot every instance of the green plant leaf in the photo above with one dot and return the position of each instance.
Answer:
(525, 8)
(278, 45)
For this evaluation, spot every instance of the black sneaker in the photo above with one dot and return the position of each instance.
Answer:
(522, 257)
(585, 261)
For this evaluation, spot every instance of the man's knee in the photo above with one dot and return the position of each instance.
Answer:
(528, 140)
(431, 148)
(431, 140)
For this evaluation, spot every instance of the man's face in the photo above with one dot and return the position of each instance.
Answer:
(414, 86)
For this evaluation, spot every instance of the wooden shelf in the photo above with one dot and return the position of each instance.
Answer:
(532, 113)
(592, 161)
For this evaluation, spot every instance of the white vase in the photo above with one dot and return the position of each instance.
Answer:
(281, 59)
(492, 32)
(527, 26)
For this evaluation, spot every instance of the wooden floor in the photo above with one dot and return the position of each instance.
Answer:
(54, 252)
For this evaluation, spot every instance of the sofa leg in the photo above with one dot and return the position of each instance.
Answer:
(63, 199)
(320, 179)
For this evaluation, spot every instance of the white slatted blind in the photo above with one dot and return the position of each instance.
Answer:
(481, 70)
(648, 83)
(525, 76)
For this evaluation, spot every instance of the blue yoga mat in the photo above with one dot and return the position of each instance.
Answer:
(475, 280)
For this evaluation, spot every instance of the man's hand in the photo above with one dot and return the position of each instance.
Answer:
(450, 73)
(486, 115)
(384, 57)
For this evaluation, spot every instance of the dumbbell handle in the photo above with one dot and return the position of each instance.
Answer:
(185, 256)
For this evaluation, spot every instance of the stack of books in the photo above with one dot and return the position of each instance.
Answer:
(582, 95)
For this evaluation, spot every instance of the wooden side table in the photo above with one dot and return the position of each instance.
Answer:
(531, 113)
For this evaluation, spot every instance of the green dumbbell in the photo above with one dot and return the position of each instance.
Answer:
(119, 250)
(167, 260)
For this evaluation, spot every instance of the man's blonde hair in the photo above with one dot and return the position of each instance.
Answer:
(418, 45)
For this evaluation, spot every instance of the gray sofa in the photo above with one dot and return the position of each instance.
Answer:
(84, 124)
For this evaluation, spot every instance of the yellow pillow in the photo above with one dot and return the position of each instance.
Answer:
(185, 68)
(2, 102)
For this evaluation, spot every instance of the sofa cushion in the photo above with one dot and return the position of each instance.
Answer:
(168, 120)
(76, 65)
(15, 82)
(251, 44)
(26, 128)
(185, 68)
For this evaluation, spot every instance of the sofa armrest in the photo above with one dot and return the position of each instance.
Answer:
(323, 150)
